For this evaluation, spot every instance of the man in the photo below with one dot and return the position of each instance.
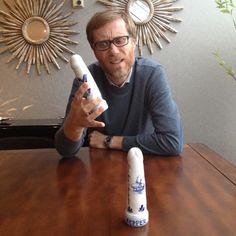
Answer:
(141, 110)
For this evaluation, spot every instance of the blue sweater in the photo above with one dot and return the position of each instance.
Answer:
(142, 111)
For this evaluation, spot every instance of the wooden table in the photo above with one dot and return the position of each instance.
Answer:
(42, 194)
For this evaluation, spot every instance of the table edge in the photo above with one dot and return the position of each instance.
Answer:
(226, 168)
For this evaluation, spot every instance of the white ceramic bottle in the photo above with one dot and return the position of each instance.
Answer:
(136, 214)
(80, 69)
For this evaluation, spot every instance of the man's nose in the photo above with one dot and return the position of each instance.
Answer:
(113, 48)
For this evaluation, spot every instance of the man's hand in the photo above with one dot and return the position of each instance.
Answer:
(82, 114)
(96, 139)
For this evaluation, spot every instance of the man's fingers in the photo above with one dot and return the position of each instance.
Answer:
(81, 91)
(98, 124)
(93, 114)
(91, 107)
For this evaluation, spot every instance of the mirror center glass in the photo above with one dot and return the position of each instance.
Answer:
(140, 11)
(36, 30)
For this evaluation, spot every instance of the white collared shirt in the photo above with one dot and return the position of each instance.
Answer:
(126, 81)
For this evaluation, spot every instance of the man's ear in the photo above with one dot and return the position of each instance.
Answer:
(135, 41)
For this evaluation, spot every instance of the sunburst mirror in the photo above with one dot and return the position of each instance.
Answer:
(152, 18)
(36, 32)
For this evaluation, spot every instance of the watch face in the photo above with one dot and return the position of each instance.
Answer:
(107, 141)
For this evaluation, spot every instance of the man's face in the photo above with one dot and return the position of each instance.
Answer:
(115, 61)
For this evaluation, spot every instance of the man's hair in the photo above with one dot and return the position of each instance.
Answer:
(104, 17)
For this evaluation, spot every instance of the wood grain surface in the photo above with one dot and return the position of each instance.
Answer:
(43, 194)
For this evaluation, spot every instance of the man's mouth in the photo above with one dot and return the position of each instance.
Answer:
(116, 61)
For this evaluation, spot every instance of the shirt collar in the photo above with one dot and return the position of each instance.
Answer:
(125, 82)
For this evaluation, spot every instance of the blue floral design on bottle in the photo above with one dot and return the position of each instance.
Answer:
(138, 186)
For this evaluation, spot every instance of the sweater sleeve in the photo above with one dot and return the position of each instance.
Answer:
(166, 139)
(65, 147)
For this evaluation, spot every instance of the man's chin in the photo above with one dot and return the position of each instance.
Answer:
(115, 70)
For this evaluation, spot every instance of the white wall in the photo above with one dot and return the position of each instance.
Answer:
(205, 94)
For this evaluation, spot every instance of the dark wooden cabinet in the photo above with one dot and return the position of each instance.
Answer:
(34, 133)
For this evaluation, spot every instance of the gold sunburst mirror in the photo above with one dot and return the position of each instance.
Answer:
(36, 32)
(152, 18)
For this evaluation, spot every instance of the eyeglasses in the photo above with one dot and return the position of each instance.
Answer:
(106, 44)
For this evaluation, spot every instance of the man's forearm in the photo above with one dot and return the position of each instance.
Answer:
(72, 133)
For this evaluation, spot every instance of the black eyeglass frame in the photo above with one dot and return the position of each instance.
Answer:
(113, 41)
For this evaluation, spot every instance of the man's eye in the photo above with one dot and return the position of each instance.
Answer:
(119, 41)
(103, 44)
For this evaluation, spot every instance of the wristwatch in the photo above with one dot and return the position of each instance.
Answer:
(108, 141)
